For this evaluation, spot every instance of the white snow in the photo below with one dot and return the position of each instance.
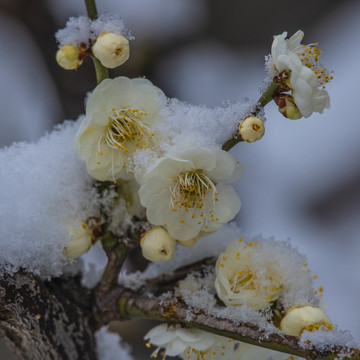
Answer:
(80, 30)
(76, 32)
(184, 124)
(110, 347)
(328, 340)
(45, 190)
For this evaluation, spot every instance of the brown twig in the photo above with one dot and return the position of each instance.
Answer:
(117, 248)
(123, 304)
(126, 304)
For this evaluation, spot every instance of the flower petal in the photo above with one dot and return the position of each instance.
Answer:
(228, 204)
(158, 208)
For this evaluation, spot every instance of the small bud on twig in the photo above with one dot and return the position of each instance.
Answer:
(111, 49)
(158, 245)
(69, 57)
(251, 129)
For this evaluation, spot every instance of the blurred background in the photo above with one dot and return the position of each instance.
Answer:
(302, 180)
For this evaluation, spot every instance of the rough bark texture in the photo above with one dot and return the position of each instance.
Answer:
(46, 320)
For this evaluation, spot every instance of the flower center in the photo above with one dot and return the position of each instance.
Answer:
(309, 56)
(242, 280)
(189, 193)
(244, 277)
(126, 128)
(190, 190)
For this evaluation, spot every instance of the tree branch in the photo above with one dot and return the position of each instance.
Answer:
(123, 304)
(117, 249)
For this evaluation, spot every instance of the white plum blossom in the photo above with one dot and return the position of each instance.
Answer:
(188, 194)
(242, 279)
(120, 114)
(306, 73)
(191, 344)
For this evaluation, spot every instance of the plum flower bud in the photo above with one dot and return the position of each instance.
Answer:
(300, 318)
(158, 245)
(68, 57)
(81, 243)
(251, 129)
(287, 106)
(111, 49)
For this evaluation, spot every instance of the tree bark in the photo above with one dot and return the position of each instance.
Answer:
(46, 320)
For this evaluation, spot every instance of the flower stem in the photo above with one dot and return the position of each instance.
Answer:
(265, 98)
(101, 71)
(91, 9)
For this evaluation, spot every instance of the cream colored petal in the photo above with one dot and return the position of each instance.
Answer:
(228, 204)
(295, 40)
(202, 158)
(169, 168)
(158, 208)
(182, 226)
(175, 347)
(321, 100)
(278, 46)
(153, 186)
(288, 61)
(303, 95)
(161, 334)
(225, 166)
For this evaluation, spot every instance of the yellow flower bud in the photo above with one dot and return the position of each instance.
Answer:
(287, 106)
(81, 244)
(158, 245)
(111, 49)
(68, 57)
(251, 129)
(301, 318)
